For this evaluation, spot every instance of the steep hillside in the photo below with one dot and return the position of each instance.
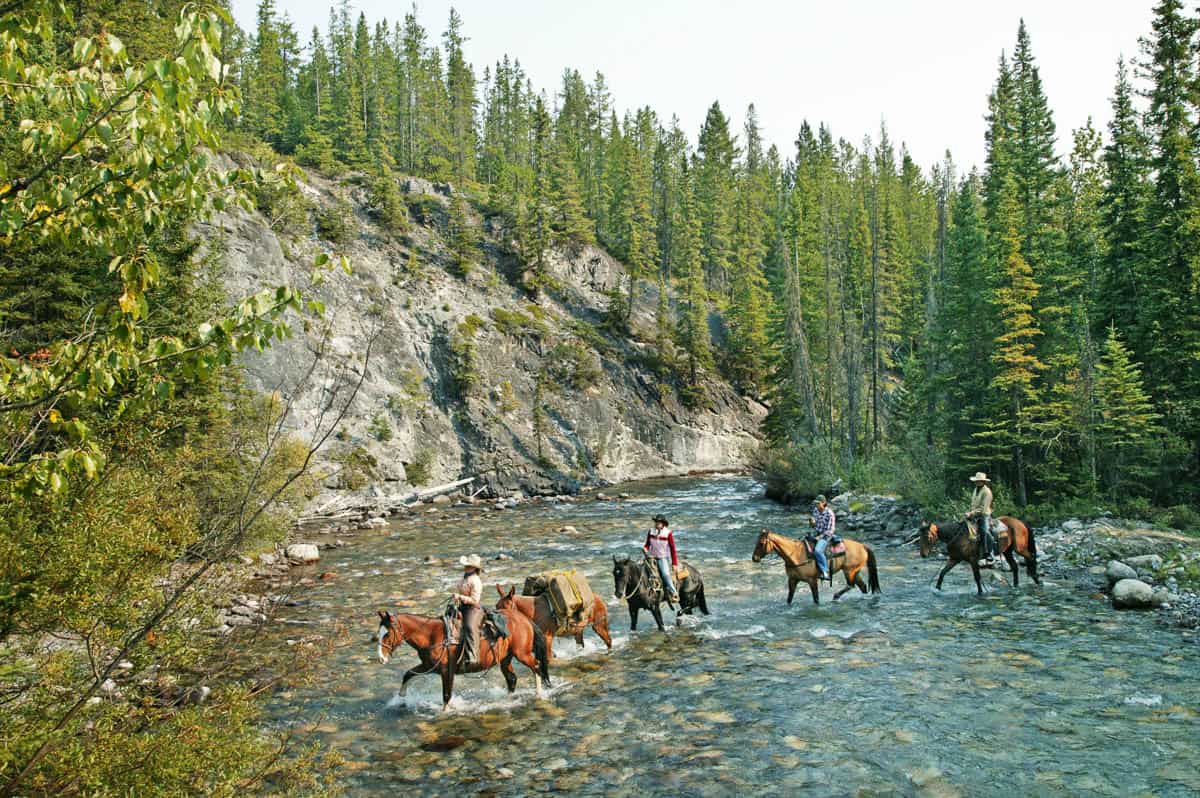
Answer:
(457, 365)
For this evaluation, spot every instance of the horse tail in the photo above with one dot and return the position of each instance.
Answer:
(542, 652)
(700, 601)
(872, 571)
(1031, 563)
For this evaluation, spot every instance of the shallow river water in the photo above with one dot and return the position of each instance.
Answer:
(1038, 691)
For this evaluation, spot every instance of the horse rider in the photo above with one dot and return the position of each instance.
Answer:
(467, 597)
(981, 512)
(824, 522)
(660, 544)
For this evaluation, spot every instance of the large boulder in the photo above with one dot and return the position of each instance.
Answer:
(1132, 594)
(1150, 562)
(1117, 570)
(303, 553)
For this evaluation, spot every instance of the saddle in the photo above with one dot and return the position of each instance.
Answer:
(494, 626)
(650, 570)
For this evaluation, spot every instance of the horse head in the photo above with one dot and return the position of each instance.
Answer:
(389, 637)
(506, 601)
(929, 537)
(764, 546)
(624, 581)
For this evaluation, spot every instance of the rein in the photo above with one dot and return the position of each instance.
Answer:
(635, 584)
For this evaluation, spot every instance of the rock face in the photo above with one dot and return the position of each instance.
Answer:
(451, 366)
(1129, 594)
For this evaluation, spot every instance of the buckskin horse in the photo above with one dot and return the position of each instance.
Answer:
(538, 610)
(428, 636)
(802, 567)
(964, 546)
(634, 583)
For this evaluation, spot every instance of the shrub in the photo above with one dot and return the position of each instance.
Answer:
(463, 366)
(420, 469)
(570, 364)
(387, 205)
(285, 207)
(335, 222)
(380, 429)
(357, 468)
(516, 324)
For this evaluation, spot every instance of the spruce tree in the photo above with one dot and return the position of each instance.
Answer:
(1128, 424)
(693, 323)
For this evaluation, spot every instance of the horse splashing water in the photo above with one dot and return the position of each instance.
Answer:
(802, 567)
(963, 545)
(636, 584)
(427, 635)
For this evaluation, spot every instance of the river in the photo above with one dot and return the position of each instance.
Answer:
(1038, 691)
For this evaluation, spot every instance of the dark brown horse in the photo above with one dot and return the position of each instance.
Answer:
(538, 610)
(428, 636)
(964, 546)
(801, 567)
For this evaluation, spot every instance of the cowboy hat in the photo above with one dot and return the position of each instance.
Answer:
(979, 476)
(822, 500)
(660, 519)
(473, 561)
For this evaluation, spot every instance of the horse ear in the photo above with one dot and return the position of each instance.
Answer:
(500, 590)
(512, 591)
(384, 616)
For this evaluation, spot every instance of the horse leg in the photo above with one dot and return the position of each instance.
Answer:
(1012, 565)
(549, 645)
(944, 571)
(812, 585)
(530, 661)
(849, 583)
(978, 582)
(510, 676)
(633, 614)
(1031, 567)
(656, 611)
(792, 588)
(860, 583)
(447, 685)
(409, 675)
(600, 627)
(579, 639)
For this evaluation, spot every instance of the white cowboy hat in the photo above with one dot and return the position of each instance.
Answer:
(473, 561)
(979, 476)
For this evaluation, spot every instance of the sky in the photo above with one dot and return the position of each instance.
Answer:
(925, 68)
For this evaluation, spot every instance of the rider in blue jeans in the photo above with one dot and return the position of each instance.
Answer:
(823, 522)
(660, 545)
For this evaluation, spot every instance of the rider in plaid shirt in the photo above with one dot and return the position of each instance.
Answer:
(824, 523)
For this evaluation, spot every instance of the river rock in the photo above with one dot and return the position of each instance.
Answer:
(1117, 570)
(303, 553)
(568, 530)
(1152, 562)
(1072, 525)
(442, 499)
(266, 559)
(1132, 594)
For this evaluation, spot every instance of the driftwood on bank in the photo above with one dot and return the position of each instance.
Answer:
(358, 508)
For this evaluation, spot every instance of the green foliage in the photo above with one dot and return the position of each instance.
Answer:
(464, 368)
(357, 468)
(380, 429)
(335, 223)
(419, 471)
(569, 364)
(387, 204)
(463, 236)
(133, 465)
(425, 208)
(516, 324)
(285, 207)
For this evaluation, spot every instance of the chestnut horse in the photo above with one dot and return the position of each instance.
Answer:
(538, 610)
(427, 634)
(802, 567)
(961, 546)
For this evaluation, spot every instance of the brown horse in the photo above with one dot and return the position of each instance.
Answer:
(538, 610)
(428, 636)
(801, 567)
(962, 546)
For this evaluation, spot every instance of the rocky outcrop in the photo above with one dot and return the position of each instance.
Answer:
(452, 367)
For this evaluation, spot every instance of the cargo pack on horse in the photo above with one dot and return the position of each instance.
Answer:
(802, 567)
(963, 544)
(428, 636)
(639, 586)
(539, 610)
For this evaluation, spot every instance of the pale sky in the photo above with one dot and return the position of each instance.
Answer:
(924, 67)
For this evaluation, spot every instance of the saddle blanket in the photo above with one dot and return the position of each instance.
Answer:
(494, 626)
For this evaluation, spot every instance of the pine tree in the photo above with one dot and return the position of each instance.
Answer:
(693, 324)
(715, 195)
(1123, 203)
(1128, 424)
(266, 78)
(1168, 321)
(460, 90)
(1011, 427)
(570, 223)
(464, 236)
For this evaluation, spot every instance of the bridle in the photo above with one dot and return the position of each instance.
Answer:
(635, 582)
(768, 548)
